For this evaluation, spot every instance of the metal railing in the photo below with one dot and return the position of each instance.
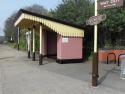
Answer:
(119, 61)
(108, 57)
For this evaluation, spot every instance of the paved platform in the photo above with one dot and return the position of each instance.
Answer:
(20, 75)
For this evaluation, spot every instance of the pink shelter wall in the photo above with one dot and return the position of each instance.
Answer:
(44, 44)
(70, 50)
(49, 41)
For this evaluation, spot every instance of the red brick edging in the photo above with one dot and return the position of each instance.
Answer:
(102, 56)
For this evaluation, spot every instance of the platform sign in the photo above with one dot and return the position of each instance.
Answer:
(94, 20)
(65, 40)
(105, 4)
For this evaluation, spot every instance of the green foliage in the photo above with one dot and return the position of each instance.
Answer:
(12, 45)
(114, 24)
(9, 29)
(115, 19)
(37, 42)
(37, 9)
(74, 11)
(22, 41)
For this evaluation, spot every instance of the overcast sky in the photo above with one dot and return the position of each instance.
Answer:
(7, 7)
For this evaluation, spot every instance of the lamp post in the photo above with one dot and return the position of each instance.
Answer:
(95, 54)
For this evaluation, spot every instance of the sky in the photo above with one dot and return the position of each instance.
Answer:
(7, 7)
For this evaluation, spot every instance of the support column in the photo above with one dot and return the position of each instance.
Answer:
(18, 38)
(41, 48)
(95, 74)
(29, 42)
(33, 56)
(26, 40)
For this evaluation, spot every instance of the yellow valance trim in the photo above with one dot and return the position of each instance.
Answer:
(62, 29)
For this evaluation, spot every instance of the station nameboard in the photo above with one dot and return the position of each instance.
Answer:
(104, 4)
(94, 20)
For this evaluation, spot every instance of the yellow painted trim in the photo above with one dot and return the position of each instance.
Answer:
(62, 29)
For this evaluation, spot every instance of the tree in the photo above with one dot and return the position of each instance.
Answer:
(11, 31)
(74, 11)
(114, 24)
(37, 9)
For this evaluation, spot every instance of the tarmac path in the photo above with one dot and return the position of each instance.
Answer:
(20, 75)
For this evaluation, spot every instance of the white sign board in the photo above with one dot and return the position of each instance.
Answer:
(104, 4)
(65, 40)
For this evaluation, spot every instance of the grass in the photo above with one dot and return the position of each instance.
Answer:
(12, 45)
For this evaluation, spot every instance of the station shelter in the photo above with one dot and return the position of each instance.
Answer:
(57, 38)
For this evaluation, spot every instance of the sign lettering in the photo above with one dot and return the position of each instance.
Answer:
(109, 4)
(94, 20)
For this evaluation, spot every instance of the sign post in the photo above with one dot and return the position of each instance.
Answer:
(95, 54)
(95, 20)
